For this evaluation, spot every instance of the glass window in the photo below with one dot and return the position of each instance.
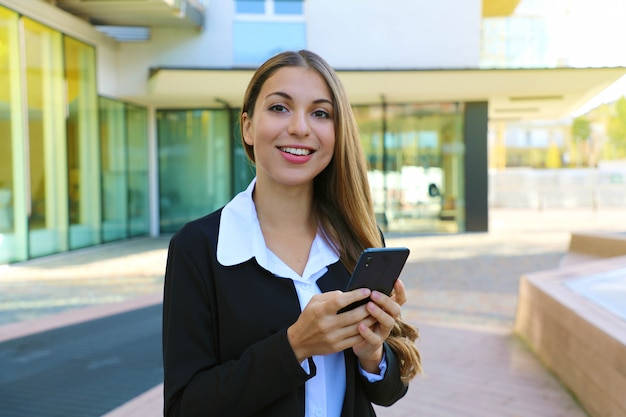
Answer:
(13, 232)
(7, 109)
(254, 42)
(82, 144)
(138, 184)
(250, 6)
(194, 148)
(124, 164)
(415, 157)
(46, 139)
(114, 165)
(243, 169)
(270, 7)
(288, 7)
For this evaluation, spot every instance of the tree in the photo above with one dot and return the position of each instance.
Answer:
(581, 132)
(617, 127)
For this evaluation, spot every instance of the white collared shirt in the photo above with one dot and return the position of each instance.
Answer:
(325, 392)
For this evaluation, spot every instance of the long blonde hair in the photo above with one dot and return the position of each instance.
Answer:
(341, 191)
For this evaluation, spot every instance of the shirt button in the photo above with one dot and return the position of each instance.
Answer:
(319, 412)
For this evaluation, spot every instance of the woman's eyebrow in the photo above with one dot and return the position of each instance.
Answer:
(323, 100)
(279, 93)
(288, 97)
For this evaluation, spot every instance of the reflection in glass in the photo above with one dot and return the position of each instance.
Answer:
(250, 6)
(114, 165)
(82, 144)
(7, 107)
(13, 233)
(194, 164)
(46, 139)
(415, 157)
(138, 199)
(254, 42)
(243, 170)
(124, 164)
(293, 7)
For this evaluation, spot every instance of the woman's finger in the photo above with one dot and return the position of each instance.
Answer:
(399, 292)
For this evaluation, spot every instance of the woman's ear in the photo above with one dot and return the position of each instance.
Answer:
(246, 124)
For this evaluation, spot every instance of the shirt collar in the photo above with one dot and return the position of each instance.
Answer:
(240, 238)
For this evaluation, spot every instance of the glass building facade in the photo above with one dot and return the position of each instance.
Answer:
(196, 155)
(415, 154)
(75, 167)
(124, 169)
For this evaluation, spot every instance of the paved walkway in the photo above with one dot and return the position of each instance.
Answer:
(80, 331)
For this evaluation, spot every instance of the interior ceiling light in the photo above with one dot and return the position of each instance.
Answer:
(125, 33)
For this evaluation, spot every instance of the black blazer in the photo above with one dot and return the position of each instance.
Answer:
(225, 347)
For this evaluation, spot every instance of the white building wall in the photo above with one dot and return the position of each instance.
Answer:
(379, 34)
(179, 47)
(350, 34)
(107, 67)
(396, 34)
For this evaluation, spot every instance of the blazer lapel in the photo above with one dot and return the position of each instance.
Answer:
(336, 278)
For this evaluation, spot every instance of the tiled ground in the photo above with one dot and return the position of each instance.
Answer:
(463, 292)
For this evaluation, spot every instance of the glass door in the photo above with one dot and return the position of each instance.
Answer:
(415, 156)
(83, 164)
(46, 139)
(114, 163)
(13, 220)
(195, 154)
(138, 184)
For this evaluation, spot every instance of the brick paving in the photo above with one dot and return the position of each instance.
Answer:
(84, 369)
(462, 296)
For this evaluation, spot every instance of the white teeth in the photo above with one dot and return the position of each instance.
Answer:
(296, 151)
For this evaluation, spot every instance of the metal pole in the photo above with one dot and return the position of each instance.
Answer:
(385, 163)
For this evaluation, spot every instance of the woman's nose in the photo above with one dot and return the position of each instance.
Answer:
(299, 124)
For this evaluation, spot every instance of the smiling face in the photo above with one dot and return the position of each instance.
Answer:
(292, 131)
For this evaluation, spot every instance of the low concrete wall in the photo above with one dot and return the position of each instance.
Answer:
(587, 246)
(583, 343)
(545, 189)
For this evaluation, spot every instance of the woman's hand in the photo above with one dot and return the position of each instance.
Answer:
(385, 310)
(319, 330)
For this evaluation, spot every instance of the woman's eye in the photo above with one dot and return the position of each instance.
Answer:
(278, 108)
(321, 114)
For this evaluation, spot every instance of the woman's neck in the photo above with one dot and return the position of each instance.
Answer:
(287, 221)
(288, 208)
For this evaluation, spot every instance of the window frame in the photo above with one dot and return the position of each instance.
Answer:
(269, 14)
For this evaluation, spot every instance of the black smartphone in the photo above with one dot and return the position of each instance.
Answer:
(377, 269)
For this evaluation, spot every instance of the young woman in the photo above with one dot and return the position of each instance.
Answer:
(252, 291)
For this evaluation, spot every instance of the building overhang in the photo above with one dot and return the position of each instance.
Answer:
(512, 94)
(146, 13)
